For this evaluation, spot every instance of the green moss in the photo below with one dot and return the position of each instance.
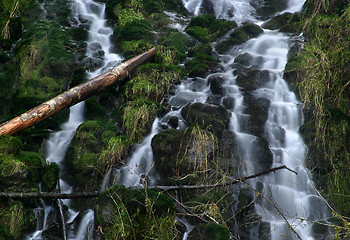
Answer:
(323, 86)
(207, 28)
(136, 30)
(12, 218)
(135, 214)
(35, 161)
(239, 36)
(87, 156)
(50, 177)
(211, 231)
(133, 48)
(10, 145)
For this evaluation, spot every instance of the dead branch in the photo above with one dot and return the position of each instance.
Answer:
(74, 95)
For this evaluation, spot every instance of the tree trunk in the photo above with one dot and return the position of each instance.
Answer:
(74, 95)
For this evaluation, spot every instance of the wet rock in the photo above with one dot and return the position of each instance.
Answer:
(253, 79)
(264, 231)
(215, 83)
(270, 7)
(257, 109)
(286, 22)
(208, 117)
(181, 152)
(239, 36)
(262, 154)
(228, 102)
(214, 99)
(173, 121)
(207, 7)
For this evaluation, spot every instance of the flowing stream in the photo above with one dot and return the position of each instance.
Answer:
(287, 202)
(99, 56)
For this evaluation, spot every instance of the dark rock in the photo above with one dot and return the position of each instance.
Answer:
(173, 121)
(215, 83)
(270, 7)
(262, 154)
(207, 7)
(253, 79)
(208, 117)
(286, 22)
(265, 231)
(239, 36)
(228, 102)
(258, 111)
(214, 99)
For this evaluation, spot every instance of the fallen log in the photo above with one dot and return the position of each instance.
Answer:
(163, 188)
(74, 95)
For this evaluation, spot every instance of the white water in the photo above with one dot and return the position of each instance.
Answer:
(139, 170)
(292, 194)
(98, 51)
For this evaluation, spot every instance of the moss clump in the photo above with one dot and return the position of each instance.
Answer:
(200, 64)
(209, 117)
(181, 152)
(180, 42)
(135, 214)
(210, 231)
(323, 71)
(206, 28)
(85, 158)
(50, 177)
(287, 22)
(239, 36)
(12, 220)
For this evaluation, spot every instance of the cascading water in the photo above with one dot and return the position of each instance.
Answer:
(289, 203)
(98, 55)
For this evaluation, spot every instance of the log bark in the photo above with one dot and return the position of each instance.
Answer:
(74, 95)
(163, 188)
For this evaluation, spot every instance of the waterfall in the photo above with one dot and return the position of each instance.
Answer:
(286, 201)
(100, 56)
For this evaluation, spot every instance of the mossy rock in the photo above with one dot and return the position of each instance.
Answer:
(210, 231)
(135, 214)
(180, 42)
(286, 22)
(239, 36)
(200, 64)
(10, 145)
(204, 48)
(90, 147)
(270, 7)
(208, 117)
(206, 28)
(181, 152)
(136, 30)
(50, 177)
(35, 161)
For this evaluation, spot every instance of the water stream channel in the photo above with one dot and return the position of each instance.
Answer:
(286, 200)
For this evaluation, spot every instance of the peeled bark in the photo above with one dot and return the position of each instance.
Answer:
(74, 95)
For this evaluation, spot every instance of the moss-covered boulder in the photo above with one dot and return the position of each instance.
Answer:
(181, 152)
(206, 28)
(286, 22)
(269, 7)
(123, 213)
(239, 36)
(19, 171)
(200, 64)
(208, 117)
(252, 79)
(91, 153)
(209, 231)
